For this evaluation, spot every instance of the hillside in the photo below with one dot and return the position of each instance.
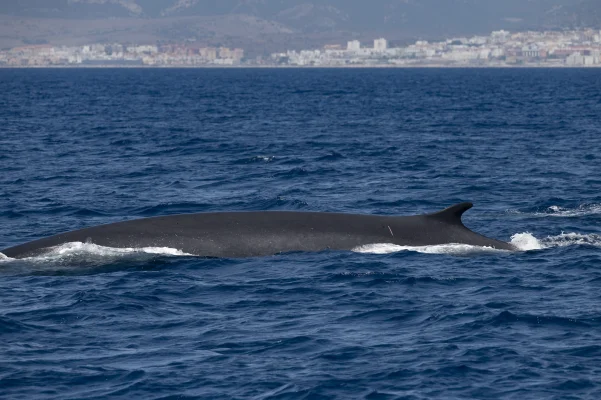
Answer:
(278, 24)
(584, 14)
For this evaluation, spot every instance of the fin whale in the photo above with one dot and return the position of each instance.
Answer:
(263, 233)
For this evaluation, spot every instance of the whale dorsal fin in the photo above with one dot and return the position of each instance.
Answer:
(452, 215)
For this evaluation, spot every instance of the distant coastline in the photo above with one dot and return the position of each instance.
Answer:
(424, 66)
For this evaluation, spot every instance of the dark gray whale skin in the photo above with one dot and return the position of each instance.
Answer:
(263, 233)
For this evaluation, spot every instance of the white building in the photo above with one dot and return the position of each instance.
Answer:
(479, 40)
(497, 52)
(500, 36)
(531, 51)
(380, 45)
(353, 45)
(144, 49)
(575, 59)
(462, 55)
(75, 59)
(484, 54)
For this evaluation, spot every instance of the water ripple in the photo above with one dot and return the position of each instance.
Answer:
(86, 147)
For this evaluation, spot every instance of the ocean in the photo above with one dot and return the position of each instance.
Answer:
(85, 147)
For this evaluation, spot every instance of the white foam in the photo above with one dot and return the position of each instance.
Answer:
(522, 241)
(571, 239)
(266, 159)
(89, 250)
(582, 210)
(526, 242)
(452, 249)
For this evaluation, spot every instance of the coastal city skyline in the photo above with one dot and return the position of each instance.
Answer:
(499, 49)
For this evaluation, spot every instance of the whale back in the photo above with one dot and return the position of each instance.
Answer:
(250, 234)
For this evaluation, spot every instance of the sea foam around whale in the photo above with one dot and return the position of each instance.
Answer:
(84, 250)
(522, 241)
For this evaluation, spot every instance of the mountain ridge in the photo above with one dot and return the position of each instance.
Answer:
(273, 23)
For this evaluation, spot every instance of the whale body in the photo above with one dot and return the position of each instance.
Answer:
(263, 233)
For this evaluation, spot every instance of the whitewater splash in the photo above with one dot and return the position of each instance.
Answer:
(75, 250)
(526, 242)
(522, 242)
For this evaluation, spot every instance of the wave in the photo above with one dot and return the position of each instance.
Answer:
(582, 210)
(451, 249)
(526, 241)
(255, 159)
(522, 241)
(571, 239)
(88, 251)
(509, 318)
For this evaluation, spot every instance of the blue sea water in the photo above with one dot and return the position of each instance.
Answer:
(85, 147)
